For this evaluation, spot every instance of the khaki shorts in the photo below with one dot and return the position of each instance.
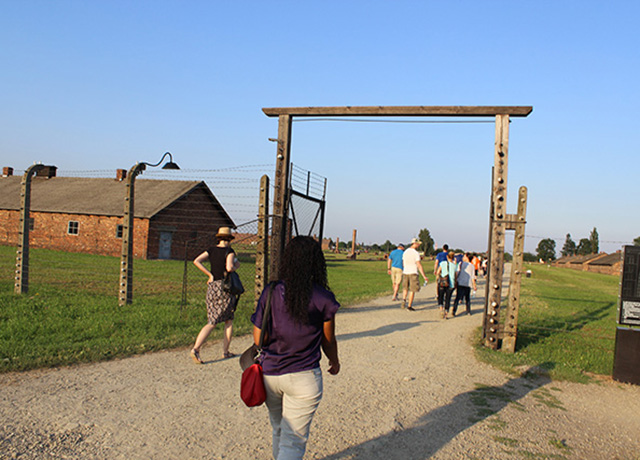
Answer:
(396, 275)
(411, 283)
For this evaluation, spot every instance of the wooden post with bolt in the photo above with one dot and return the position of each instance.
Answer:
(262, 255)
(516, 223)
(281, 195)
(498, 227)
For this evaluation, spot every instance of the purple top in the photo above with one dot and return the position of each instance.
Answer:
(293, 347)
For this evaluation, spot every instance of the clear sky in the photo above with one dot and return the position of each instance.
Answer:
(100, 85)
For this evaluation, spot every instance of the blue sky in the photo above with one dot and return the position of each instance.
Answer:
(90, 85)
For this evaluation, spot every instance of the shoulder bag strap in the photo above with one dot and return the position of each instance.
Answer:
(265, 316)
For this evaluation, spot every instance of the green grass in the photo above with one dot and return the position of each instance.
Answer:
(71, 314)
(566, 325)
(567, 319)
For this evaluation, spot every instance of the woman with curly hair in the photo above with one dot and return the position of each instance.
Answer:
(302, 323)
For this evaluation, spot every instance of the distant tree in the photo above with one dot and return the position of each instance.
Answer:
(342, 245)
(595, 243)
(584, 247)
(569, 248)
(508, 257)
(376, 247)
(528, 257)
(636, 242)
(546, 249)
(388, 246)
(427, 242)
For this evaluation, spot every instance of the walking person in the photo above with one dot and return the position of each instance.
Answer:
(440, 257)
(302, 323)
(394, 268)
(466, 279)
(221, 305)
(447, 270)
(411, 265)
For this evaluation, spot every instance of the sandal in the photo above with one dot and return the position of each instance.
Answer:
(195, 355)
(228, 355)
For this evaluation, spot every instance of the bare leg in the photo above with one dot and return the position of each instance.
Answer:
(202, 336)
(396, 288)
(228, 333)
(411, 296)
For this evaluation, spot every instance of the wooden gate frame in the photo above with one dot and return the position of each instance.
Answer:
(500, 221)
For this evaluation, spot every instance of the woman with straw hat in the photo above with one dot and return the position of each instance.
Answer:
(221, 305)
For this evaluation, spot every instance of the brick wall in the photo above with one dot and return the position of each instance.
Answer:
(96, 234)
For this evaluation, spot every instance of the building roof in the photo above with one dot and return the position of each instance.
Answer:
(610, 259)
(95, 196)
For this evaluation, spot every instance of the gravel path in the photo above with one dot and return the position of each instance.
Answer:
(409, 388)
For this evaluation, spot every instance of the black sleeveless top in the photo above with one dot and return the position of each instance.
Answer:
(218, 260)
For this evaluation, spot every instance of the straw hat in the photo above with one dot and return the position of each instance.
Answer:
(224, 233)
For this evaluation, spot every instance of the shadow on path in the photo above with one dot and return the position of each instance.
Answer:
(435, 429)
(382, 330)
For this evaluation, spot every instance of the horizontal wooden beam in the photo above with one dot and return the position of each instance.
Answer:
(401, 111)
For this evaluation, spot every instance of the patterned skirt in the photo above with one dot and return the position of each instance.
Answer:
(221, 305)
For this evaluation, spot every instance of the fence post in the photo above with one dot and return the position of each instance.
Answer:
(262, 251)
(511, 313)
(281, 194)
(498, 227)
(22, 253)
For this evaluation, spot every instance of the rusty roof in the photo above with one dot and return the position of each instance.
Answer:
(96, 196)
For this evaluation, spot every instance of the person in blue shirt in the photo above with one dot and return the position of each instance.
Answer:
(394, 268)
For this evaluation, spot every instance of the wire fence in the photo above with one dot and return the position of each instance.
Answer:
(76, 228)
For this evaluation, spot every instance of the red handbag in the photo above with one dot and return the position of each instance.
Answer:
(252, 389)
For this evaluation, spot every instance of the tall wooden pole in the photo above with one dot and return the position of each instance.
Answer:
(517, 223)
(498, 227)
(281, 195)
(262, 256)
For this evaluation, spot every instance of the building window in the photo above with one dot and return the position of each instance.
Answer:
(72, 228)
(119, 231)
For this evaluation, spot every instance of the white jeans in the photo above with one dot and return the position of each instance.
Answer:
(292, 400)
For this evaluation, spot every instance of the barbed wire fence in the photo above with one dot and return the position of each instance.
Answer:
(185, 229)
(94, 264)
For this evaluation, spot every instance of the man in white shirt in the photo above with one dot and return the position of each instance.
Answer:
(410, 267)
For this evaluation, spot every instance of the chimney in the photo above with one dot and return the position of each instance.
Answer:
(47, 171)
(7, 171)
(121, 174)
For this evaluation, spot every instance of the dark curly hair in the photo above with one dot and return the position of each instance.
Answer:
(303, 265)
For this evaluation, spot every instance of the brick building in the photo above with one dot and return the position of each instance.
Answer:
(86, 215)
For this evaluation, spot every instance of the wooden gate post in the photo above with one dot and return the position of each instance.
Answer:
(262, 255)
(516, 223)
(281, 195)
(498, 227)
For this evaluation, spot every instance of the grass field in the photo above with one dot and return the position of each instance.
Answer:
(566, 325)
(71, 314)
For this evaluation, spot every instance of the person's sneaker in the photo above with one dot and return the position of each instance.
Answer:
(411, 309)
(404, 303)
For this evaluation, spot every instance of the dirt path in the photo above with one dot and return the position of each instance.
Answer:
(409, 388)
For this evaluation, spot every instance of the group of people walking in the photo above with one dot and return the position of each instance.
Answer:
(453, 273)
(301, 327)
